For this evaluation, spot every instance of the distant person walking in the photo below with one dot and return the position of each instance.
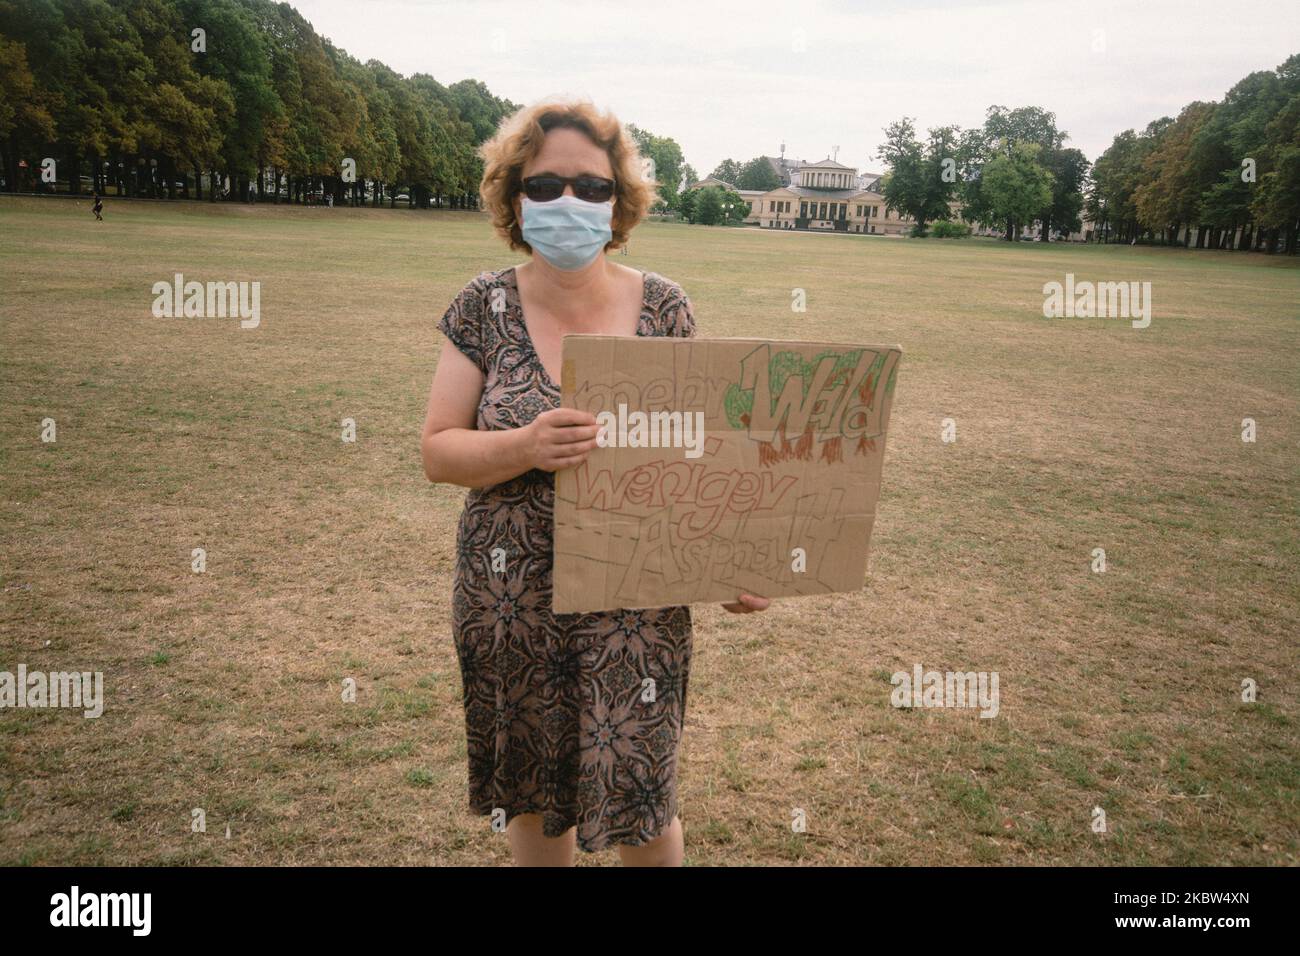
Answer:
(98, 207)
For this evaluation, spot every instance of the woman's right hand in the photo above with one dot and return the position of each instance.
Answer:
(561, 438)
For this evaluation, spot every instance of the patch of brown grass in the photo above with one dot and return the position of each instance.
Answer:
(329, 560)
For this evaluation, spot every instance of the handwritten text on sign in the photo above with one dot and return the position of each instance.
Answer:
(779, 498)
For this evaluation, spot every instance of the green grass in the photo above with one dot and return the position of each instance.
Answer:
(328, 560)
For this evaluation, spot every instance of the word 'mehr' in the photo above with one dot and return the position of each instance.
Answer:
(831, 396)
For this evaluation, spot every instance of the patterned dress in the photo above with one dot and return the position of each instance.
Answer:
(576, 717)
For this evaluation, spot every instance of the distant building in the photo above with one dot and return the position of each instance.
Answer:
(827, 196)
(824, 196)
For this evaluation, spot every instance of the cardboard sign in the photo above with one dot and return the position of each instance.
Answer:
(727, 466)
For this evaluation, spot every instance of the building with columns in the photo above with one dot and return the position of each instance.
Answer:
(825, 196)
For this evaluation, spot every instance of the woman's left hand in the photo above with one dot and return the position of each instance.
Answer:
(747, 604)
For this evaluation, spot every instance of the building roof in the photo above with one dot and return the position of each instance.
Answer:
(832, 194)
(783, 167)
(710, 181)
(826, 163)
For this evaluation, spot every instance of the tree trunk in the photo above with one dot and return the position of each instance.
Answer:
(9, 166)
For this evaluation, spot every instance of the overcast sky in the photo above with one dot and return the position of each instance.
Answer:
(738, 79)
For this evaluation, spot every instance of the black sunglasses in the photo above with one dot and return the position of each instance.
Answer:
(590, 188)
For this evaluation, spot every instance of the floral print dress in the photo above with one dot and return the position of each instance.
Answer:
(576, 717)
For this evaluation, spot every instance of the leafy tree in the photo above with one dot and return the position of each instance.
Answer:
(1069, 169)
(728, 171)
(237, 56)
(1016, 187)
(667, 157)
(116, 84)
(24, 108)
(1236, 131)
(1169, 195)
(1003, 132)
(734, 206)
(1116, 177)
(1276, 204)
(708, 206)
(686, 203)
(921, 182)
(758, 174)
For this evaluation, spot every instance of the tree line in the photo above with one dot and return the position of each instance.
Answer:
(1014, 171)
(158, 97)
(1220, 175)
(1227, 173)
(151, 96)
(1224, 175)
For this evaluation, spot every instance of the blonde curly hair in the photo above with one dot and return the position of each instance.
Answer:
(519, 138)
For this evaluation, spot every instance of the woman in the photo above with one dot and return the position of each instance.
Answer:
(558, 738)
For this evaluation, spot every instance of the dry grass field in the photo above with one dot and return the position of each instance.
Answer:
(328, 560)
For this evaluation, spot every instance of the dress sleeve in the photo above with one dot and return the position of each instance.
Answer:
(677, 317)
(462, 323)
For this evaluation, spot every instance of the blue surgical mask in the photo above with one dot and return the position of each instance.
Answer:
(567, 232)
